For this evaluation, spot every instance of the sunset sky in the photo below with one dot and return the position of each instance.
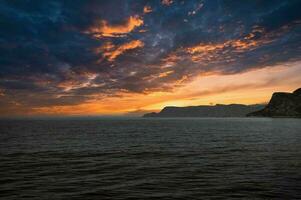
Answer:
(116, 57)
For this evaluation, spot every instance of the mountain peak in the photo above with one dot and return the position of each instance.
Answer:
(297, 92)
(282, 104)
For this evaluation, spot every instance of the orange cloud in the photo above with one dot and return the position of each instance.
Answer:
(216, 52)
(147, 9)
(211, 52)
(108, 46)
(111, 52)
(164, 74)
(204, 48)
(236, 44)
(78, 81)
(104, 29)
(224, 51)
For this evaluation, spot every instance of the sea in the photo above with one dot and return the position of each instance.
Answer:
(150, 158)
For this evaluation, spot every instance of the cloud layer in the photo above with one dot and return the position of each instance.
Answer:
(58, 53)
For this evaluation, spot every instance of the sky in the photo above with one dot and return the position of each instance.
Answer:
(122, 57)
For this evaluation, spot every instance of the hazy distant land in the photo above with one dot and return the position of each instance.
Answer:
(219, 110)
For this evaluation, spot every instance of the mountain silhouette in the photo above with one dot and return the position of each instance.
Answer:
(282, 104)
(219, 110)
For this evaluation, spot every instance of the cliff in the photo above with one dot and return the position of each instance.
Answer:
(281, 105)
(219, 110)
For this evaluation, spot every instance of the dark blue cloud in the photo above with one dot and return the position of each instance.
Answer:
(49, 42)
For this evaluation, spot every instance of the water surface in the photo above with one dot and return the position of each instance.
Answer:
(191, 158)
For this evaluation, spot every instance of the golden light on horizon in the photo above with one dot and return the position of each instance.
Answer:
(240, 88)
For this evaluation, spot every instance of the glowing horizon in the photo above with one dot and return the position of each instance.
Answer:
(103, 58)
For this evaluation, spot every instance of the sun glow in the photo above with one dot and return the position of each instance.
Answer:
(216, 89)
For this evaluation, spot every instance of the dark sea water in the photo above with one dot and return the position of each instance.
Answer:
(238, 158)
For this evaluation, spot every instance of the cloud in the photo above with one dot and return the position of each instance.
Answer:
(104, 29)
(147, 9)
(215, 51)
(59, 53)
(111, 52)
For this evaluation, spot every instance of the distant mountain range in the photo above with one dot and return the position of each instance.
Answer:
(282, 104)
(219, 110)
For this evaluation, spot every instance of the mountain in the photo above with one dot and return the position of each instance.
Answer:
(219, 110)
(282, 104)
